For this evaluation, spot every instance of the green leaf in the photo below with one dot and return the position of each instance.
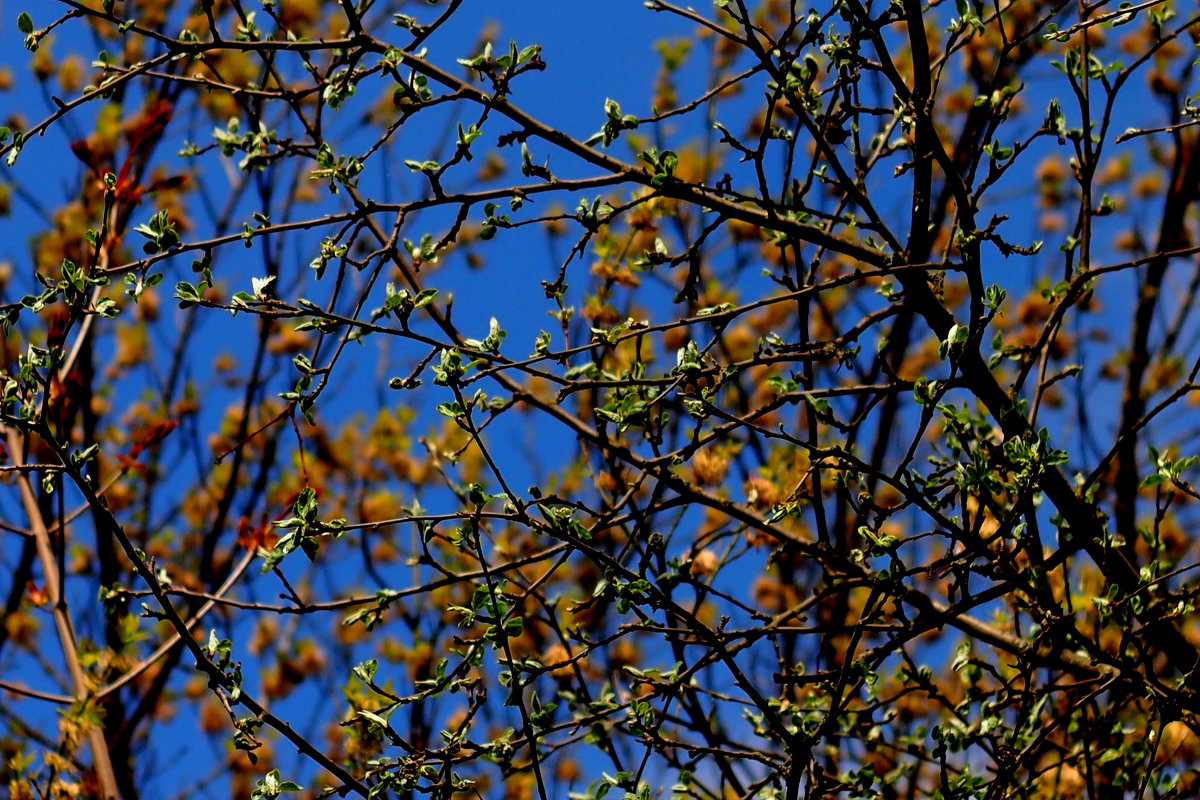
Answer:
(366, 670)
(186, 294)
(260, 285)
(271, 786)
(422, 166)
(1156, 479)
(24, 23)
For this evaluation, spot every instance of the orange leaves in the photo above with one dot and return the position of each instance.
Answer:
(148, 438)
(704, 564)
(252, 537)
(142, 136)
(36, 594)
(293, 668)
(156, 434)
(709, 467)
(762, 493)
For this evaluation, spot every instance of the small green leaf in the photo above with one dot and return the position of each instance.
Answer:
(421, 166)
(260, 284)
(366, 670)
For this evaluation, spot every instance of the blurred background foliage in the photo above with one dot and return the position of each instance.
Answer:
(521, 400)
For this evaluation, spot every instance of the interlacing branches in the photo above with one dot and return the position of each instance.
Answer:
(816, 426)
